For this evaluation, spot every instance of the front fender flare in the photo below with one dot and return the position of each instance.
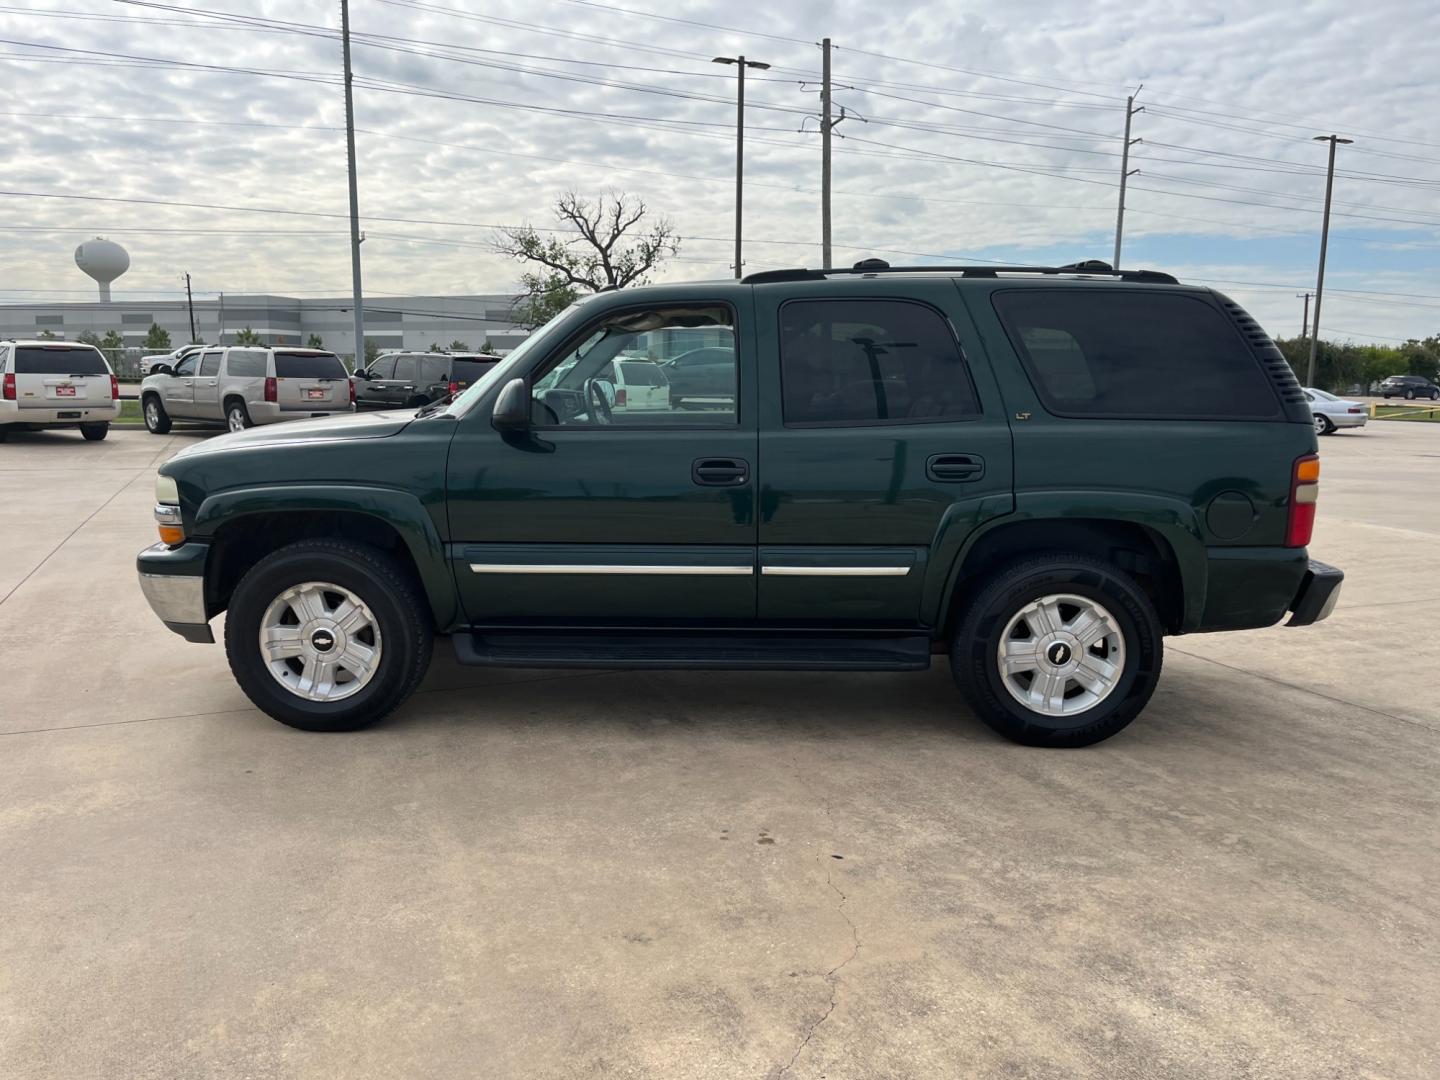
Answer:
(401, 510)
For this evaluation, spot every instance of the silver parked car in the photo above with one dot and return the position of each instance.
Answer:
(243, 385)
(1331, 412)
(56, 384)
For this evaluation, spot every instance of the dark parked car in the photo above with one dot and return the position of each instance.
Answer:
(1039, 473)
(414, 379)
(702, 377)
(1409, 387)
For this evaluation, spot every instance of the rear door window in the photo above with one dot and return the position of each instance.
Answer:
(641, 373)
(434, 369)
(1137, 354)
(871, 362)
(290, 365)
(209, 364)
(62, 360)
(407, 368)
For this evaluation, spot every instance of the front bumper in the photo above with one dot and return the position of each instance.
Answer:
(173, 581)
(1316, 597)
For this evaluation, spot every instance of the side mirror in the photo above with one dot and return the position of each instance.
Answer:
(363, 374)
(512, 407)
(162, 369)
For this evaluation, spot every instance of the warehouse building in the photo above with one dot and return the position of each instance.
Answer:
(391, 322)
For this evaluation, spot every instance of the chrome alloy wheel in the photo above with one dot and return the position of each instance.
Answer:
(235, 419)
(152, 413)
(320, 642)
(1061, 655)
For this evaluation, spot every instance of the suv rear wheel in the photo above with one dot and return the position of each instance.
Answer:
(157, 420)
(237, 417)
(94, 432)
(328, 635)
(1409, 395)
(1058, 650)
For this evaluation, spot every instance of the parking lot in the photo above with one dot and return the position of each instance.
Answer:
(713, 874)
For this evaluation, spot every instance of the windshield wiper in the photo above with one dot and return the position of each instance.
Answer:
(433, 408)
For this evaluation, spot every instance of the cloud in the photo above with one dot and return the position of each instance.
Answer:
(1006, 150)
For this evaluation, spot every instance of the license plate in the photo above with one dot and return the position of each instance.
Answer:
(64, 391)
(316, 394)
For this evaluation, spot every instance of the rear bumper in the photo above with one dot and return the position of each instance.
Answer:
(1316, 597)
(1343, 420)
(173, 581)
(61, 417)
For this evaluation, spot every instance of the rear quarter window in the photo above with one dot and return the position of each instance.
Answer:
(308, 366)
(1131, 353)
(74, 360)
(249, 364)
(467, 371)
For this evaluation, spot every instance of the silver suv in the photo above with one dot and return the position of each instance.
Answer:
(244, 385)
(56, 384)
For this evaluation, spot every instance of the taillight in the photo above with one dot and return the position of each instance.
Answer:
(454, 388)
(271, 393)
(1304, 490)
(1356, 409)
(620, 398)
(114, 387)
(8, 393)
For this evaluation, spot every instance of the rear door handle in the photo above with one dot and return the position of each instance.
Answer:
(720, 472)
(955, 468)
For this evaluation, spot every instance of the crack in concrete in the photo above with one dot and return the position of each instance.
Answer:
(831, 976)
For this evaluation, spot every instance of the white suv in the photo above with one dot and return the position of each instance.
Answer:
(243, 385)
(56, 384)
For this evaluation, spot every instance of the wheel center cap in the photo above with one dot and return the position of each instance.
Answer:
(322, 640)
(1058, 653)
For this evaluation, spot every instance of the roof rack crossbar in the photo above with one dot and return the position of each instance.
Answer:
(1096, 269)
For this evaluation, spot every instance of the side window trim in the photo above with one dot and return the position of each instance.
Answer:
(961, 352)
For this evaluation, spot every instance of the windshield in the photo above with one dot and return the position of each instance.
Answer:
(501, 371)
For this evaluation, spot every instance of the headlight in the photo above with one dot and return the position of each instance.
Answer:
(167, 511)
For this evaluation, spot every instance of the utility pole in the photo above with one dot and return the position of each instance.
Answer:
(1304, 319)
(825, 126)
(190, 300)
(1324, 242)
(1125, 171)
(354, 193)
(741, 64)
(220, 333)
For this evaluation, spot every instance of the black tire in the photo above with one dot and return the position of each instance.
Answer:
(1409, 395)
(1435, 395)
(95, 432)
(385, 586)
(157, 420)
(4, 432)
(977, 641)
(237, 416)
(1324, 425)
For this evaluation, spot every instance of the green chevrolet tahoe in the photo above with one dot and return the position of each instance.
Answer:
(1038, 472)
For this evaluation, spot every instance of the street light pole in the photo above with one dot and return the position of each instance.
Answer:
(1324, 242)
(354, 192)
(740, 64)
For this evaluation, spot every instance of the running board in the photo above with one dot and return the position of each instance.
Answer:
(693, 650)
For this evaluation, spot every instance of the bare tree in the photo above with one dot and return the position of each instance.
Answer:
(608, 246)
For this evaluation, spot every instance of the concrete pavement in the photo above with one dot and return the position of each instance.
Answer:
(713, 875)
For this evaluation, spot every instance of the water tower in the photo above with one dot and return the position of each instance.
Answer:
(104, 261)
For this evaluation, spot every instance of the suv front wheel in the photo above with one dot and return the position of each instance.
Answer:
(328, 635)
(1058, 650)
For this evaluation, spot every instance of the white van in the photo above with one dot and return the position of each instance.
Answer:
(56, 384)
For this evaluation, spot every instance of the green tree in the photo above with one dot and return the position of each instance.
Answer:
(372, 350)
(157, 339)
(434, 347)
(112, 341)
(89, 337)
(315, 342)
(487, 348)
(608, 247)
(248, 337)
(457, 346)
(46, 335)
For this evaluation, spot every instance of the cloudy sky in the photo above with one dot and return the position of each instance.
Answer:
(989, 131)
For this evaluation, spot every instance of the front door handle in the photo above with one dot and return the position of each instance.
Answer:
(955, 468)
(720, 472)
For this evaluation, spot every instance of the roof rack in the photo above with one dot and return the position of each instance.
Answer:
(880, 266)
